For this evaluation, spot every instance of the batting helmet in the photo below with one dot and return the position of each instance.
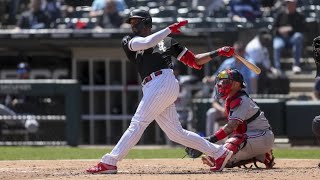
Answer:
(146, 20)
(224, 82)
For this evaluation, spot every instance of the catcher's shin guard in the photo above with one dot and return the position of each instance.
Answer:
(267, 159)
(243, 163)
(236, 142)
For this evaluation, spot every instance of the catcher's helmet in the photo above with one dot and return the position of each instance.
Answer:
(231, 74)
(224, 82)
(141, 14)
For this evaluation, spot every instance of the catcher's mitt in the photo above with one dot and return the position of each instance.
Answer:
(193, 153)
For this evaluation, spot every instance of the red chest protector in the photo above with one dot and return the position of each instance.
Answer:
(231, 103)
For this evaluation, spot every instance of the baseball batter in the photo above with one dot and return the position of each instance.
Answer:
(152, 54)
(250, 136)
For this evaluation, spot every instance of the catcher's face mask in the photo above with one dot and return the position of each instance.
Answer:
(223, 85)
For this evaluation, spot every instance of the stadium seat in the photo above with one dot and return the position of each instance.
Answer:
(163, 16)
(194, 16)
(81, 12)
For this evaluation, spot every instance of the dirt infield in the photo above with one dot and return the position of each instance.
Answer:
(155, 169)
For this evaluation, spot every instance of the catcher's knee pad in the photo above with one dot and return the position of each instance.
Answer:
(236, 142)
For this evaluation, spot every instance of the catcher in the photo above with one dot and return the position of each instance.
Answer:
(250, 136)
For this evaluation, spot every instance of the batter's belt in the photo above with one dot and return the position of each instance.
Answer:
(149, 77)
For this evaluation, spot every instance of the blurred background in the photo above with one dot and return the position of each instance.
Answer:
(64, 78)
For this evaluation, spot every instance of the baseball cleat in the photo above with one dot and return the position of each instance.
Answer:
(208, 160)
(222, 161)
(102, 168)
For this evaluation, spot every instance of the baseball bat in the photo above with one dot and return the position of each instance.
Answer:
(251, 66)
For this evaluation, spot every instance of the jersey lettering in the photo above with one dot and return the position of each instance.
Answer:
(161, 46)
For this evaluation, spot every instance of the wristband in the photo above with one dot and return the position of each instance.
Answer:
(220, 134)
(213, 54)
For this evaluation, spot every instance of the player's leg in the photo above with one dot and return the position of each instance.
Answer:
(169, 123)
(257, 144)
(156, 98)
(158, 94)
(278, 45)
(297, 45)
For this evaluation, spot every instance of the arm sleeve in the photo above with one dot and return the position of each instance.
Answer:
(141, 43)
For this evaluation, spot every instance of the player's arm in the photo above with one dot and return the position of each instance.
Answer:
(203, 58)
(196, 61)
(141, 43)
(224, 131)
(233, 122)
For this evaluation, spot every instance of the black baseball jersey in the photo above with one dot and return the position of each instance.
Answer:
(155, 58)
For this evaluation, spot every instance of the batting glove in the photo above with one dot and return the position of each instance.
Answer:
(226, 51)
(175, 28)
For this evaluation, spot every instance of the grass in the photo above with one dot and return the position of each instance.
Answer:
(49, 153)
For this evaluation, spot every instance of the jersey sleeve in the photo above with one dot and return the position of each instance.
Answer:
(142, 43)
(177, 49)
(125, 45)
(239, 112)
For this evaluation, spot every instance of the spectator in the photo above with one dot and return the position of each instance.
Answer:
(257, 50)
(258, 53)
(20, 104)
(14, 8)
(53, 9)
(248, 9)
(267, 3)
(98, 6)
(288, 27)
(34, 18)
(111, 17)
(231, 63)
(212, 6)
(215, 115)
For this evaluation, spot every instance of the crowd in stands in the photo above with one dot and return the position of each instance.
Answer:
(284, 21)
(36, 14)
